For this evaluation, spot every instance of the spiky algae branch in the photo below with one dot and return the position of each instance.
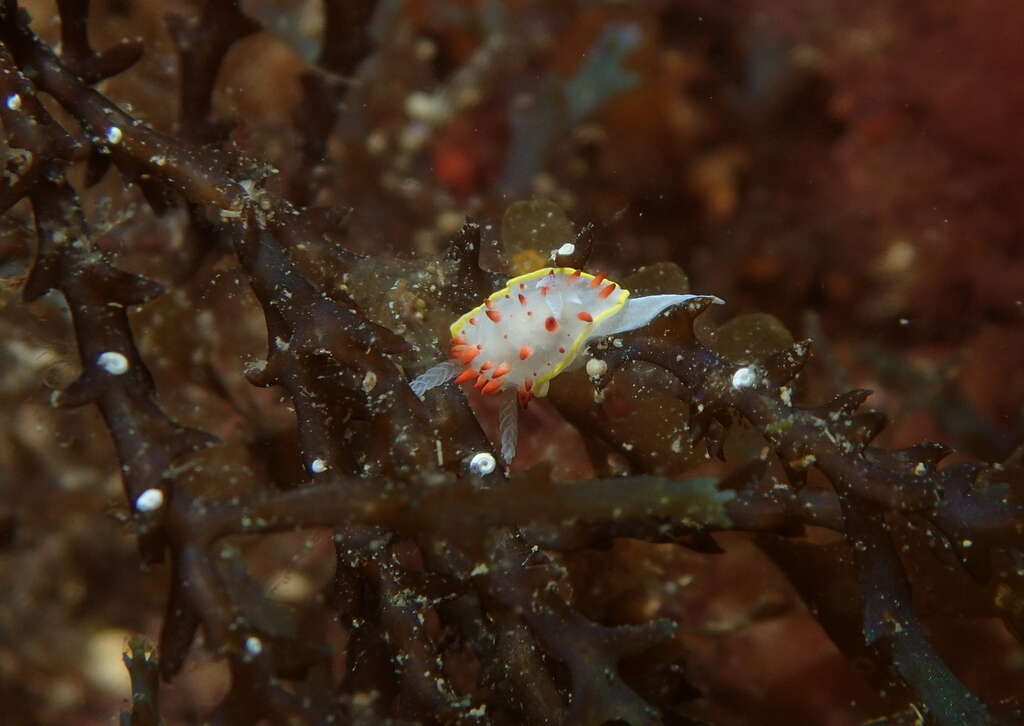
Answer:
(425, 542)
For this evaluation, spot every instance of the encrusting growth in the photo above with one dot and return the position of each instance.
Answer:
(532, 329)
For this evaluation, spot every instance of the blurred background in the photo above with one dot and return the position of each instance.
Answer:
(850, 170)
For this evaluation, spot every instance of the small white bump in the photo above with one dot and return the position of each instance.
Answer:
(150, 500)
(113, 363)
(567, 249)
(744, 378)
(253, 645)
(478, 712)
(318, 466)
(426, 107)
(114, 135)
(14, 102)
(482, 464)
(596, 367)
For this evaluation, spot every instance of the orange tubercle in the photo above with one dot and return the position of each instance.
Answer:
(585, 317)
(525, 352)
(466, 375)
(494, 315)
(501, 370)
(492, 387)
(608, 290)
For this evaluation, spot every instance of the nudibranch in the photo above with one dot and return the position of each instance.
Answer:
(531, 330)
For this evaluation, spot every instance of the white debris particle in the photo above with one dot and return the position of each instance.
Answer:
(114, 135)
(14, 102)
(364, 699)
(253, 367)
(369, 381)
(425, 50)
(478, 712)
(318, 466)
(253, 645)
(482, 464)
(113, 363)
(804, 462)
(377, 142)
(426, 107)
(449, 221)
(150, 500)
(412, 138)
(920, 468)
(967, 544)
(567, 249)
(480, 569)
(744, 377)
(596, 367)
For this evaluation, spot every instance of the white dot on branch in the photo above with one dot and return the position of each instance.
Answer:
(114, 135)
(14, 102)
(253, 645)
(482, 464)
(150, 500)
(744, 378)
(318, 466)
(596, 367)
(567, 249)
(113, 363)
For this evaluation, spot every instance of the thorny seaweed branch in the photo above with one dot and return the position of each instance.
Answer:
(437, 566)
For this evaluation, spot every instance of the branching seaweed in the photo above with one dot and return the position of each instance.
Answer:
(450, 583)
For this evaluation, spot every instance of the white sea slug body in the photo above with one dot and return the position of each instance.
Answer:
(528, 332)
